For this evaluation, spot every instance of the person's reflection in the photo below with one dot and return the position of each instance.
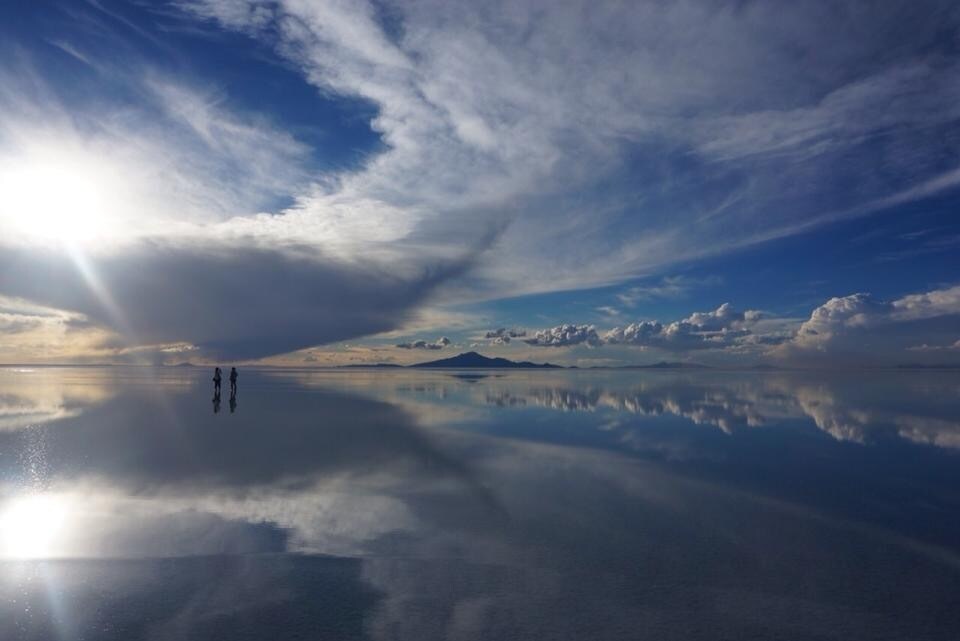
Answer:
(233, 402)
(216, 402)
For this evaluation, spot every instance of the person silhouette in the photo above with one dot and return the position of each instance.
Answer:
(216, 381)
(233, 381)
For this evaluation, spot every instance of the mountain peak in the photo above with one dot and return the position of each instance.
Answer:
(477, 360)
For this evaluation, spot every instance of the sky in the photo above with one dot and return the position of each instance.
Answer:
(313, 183)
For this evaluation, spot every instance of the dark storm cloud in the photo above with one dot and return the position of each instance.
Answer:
(238, 302)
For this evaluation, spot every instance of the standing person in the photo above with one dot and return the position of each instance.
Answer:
(233, 381)
(216, 382)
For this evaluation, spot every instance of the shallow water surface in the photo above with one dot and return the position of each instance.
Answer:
(479, 505)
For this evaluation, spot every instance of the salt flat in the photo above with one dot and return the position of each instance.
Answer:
(428, 505)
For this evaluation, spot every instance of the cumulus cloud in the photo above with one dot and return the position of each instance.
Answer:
(720, 328)
(565, 336)
(503, 336)
(860, 327)
(440, 343)
(863, 325)
(935, 348)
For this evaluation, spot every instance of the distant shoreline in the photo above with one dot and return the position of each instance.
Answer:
(476, 361)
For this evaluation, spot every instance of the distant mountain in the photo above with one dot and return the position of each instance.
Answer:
(667, 365)
(930, 366)
(472, 360)
(370, 366)
(659, 365)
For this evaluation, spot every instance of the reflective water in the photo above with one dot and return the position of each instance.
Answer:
(444, 505)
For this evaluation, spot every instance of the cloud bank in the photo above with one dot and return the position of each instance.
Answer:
(864, 327)
(565, 336)
(858, 329)
(718, 329)
(503, 336)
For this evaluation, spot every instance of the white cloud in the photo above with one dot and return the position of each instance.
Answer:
(935, 348)
(911, 95)
(565, 336)
(855, 329)
(503, 336)
(608, 310)
(860, 325)
(940, 302)
(720, 328)
(169, 166)
(669, 287)
(497, 114)
(143, 219)
(440, 343)
(492, 117)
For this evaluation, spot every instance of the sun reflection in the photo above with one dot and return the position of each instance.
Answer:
(33, 526)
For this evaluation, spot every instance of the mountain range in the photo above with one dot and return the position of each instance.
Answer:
(474, 360)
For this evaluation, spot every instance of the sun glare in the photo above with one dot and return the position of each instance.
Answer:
(32, 526)
(53, 202)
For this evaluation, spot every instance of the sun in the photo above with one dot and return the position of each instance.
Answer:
(53, 201)
(32, 526)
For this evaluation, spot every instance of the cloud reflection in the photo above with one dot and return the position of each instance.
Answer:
(508, 515)
(37, 396)
(857, 407)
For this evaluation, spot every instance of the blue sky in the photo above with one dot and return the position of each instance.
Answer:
(321, 182)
